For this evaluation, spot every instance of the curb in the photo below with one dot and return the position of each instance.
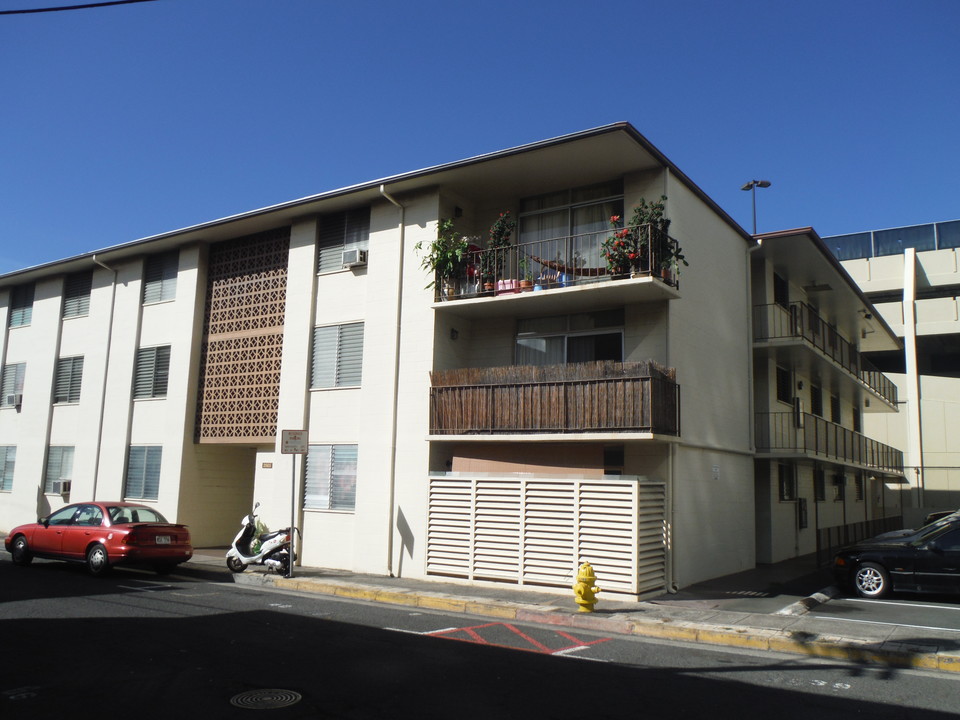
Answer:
(891, 654)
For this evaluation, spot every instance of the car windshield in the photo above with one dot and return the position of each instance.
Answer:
(125, 514)
(934, 529)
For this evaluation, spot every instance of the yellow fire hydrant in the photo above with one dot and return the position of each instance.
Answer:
(585, 592)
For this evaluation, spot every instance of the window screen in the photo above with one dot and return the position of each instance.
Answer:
(339, 232)
(331, 482)
(337, 356)
(21, 305)
(12, 382)
(76, 294)
(160, 277)
(143, 472)
(69, 377)
(8, 459)
(152, 372)
(59, 466)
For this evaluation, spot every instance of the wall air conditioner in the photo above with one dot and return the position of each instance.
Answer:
(354, 258)
(61, 487)
(15, 399)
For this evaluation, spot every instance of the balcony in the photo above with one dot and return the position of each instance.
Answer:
(789, 434)
(557, 265)
(595, 397)
(800, 323)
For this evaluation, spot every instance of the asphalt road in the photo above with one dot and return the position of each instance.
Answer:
(194, 645)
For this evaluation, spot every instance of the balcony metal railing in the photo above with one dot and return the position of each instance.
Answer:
(803, 433)
(560, 262)
(800, 321)
(574, 398)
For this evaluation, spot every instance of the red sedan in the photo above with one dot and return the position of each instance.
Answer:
(102, 535)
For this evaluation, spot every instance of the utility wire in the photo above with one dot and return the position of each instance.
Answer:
(85, 6)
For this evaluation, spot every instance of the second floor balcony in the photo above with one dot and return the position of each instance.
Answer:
(800, 323)
(793, 434)
(594, 397)
(557, 263)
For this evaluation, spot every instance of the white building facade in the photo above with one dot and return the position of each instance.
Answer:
(605, 414)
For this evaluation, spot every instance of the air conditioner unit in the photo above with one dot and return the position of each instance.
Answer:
(61, 487)
(354, 258)
(15, 399)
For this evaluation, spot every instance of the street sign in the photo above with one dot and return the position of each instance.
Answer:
(293, 442)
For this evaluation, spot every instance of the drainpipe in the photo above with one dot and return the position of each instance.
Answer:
(103, 385)
(391, 495)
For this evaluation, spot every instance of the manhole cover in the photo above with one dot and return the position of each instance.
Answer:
(265, 699)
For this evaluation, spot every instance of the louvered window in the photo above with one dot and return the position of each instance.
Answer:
(12, 384)
(21, 305)
(76, 294)
(59, 466)
(331, 482)
(152, 371)
(8, 458)
(160, 277)
(337, 356)
(339, 232)
(143, 472)
(69, 376)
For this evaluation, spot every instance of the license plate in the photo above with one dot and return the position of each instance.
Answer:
(163, 539)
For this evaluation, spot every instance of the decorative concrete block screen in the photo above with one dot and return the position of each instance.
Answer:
(243, 338)
(536, 531)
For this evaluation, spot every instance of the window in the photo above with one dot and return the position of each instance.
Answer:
(160, 277)
(21, 305)
(69, 376)
(858, 487)
(856, 420)
(337, 356)
(339, 232)
(8, 459)
(151, 373)
(89, 515)
(788, 482)
(12, 383)
(835, 415)
(839, 487)
(59, 466)
(569, 226)
(331, 482)
(784, 385)
(819, 485)
(76, 294)
(563, 339)
(781, 291)
(816, 401)
(143, 472)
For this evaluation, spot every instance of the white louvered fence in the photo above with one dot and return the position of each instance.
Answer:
(537, 530)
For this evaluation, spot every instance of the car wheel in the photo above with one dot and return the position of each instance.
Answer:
(235, 564)
(20, 552)
(871, 581)
(97, 561)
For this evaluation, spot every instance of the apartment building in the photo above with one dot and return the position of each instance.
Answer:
(911, 275)
(480, 435)
(822, 480)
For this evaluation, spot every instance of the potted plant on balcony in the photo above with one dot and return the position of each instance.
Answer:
(526, 274)
(500, 233)
(444, 258)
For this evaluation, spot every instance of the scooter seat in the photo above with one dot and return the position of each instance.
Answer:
(271, 535)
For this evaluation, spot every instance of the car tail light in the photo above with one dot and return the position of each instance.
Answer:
(132, 539)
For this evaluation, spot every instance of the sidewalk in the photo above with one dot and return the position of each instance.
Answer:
(764, 608)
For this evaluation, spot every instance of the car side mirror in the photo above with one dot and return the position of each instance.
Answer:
(45, 521)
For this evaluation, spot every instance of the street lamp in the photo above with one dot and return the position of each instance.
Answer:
(752, 187)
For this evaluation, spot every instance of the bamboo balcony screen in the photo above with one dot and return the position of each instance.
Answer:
(574, 398)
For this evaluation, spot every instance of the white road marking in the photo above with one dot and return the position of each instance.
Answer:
(903, 604)
(875, 622)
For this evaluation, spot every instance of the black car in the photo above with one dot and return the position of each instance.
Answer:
(926, 560)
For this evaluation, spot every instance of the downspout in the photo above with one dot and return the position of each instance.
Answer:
(391, 494)
(103, 385)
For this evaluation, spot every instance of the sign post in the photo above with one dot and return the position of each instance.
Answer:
(293, 442)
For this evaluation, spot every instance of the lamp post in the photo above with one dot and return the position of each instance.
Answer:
(752, 187)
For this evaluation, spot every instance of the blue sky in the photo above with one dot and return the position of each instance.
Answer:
(123, 122)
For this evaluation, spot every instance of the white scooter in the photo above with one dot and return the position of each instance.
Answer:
(273, 551)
